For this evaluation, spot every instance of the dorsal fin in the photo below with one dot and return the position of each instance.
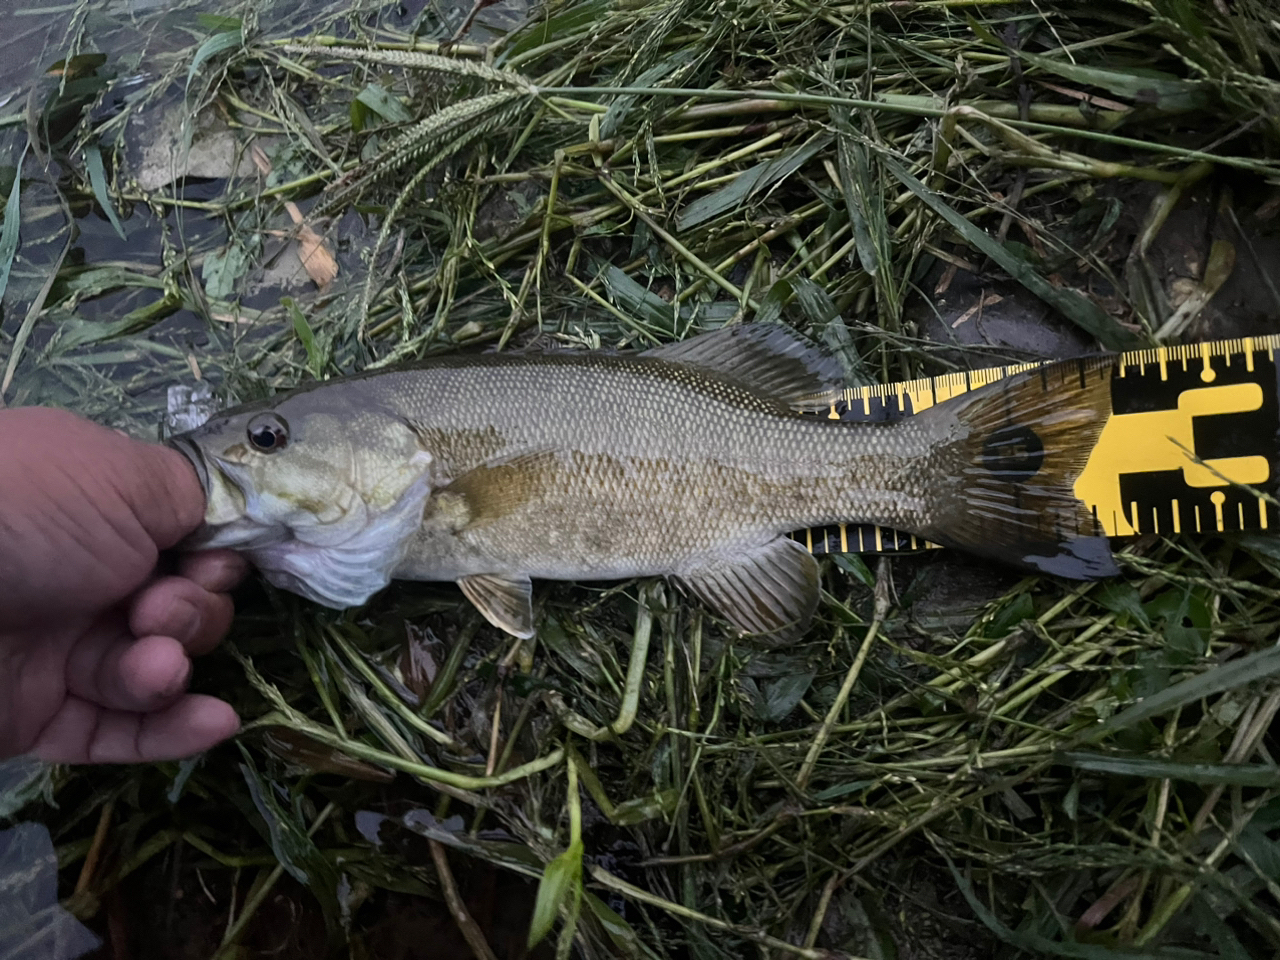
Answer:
(767, 357)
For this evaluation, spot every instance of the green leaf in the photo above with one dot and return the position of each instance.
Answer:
(315, 356)
(293, 847)
(814, 301)
(843, 790)
(645, 305)
(560, 24)
(1229, 774)
(561, 878)
(771, 306)
(1020, 608)
(1037, 945)
(855, 566)
(750, 182)
(619, 931)
(1264, 851)
(98, 180)
(1122, 600)
(639, 809)
(1247, 669)
(9, 229)
(218, 24)
(77, 332)
(1266, 544)
(1215, 929)
(1143, 86)
(782, 695)
(1075, 306)
(1185, 623)
(214, 45)
(1071, 802)
(611, 122)
(222, 269)
(857, 198)
(378, 99)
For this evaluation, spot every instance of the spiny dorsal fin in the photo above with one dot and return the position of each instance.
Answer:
(770, 592)
(767, 357)
(1023, 442)
(506, 602)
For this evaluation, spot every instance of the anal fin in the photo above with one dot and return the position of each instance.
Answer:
(506, 602)
(771, 592)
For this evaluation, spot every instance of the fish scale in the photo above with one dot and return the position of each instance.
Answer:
(623, 440)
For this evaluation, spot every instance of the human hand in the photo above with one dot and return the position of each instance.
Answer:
(95, 644)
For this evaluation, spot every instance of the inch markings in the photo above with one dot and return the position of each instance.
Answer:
(1193, 429)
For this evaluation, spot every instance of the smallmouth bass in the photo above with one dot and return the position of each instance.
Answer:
(693, 461)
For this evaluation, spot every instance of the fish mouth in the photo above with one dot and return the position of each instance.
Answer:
(189, 450)
(223, 488)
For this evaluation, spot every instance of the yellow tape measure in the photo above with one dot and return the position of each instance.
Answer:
(1188, 423)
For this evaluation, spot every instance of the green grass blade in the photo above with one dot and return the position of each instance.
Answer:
(380, 100)
(216, 44)
(1075, 306)
(1249, 668)
(1227, 774)
(1165, 93)
(9, 229)
(558, 881)
(748, 184)
(98, 180)
(1038, 946)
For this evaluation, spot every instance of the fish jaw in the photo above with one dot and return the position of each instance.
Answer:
(229, 521)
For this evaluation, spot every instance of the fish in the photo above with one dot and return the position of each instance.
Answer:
(692, 460)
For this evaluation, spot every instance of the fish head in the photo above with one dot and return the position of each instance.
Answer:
(322, 495)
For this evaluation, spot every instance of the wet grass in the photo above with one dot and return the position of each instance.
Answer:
(1008, 766)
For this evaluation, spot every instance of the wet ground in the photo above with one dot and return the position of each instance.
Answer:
(62, 62)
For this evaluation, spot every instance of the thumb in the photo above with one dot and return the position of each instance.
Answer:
(165, 493)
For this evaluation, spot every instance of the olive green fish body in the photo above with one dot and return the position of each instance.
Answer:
(562, 467)
(692, 461)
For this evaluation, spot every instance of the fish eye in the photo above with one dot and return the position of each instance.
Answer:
(268, 433)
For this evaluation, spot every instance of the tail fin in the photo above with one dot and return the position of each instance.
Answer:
(1028, 438)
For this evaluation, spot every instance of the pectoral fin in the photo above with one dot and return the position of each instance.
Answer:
(506, 602)
(491, 491)
(771, 592)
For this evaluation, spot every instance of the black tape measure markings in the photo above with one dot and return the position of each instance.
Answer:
(1192, 427)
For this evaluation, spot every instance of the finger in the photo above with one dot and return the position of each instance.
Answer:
(179, 608)
(164, 492)
(218, 571)
(115, 671)
(82, 732)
